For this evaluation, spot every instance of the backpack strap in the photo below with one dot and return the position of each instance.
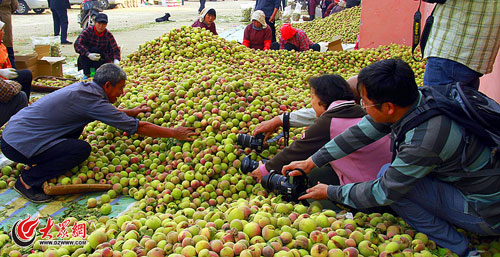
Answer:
(413, 119)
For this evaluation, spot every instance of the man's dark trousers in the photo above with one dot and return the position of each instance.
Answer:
(273, 29)
(11, 107)
(60, 17)
(52, 162)
(24, 78)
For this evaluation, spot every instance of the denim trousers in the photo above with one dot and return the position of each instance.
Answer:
(440, 71)
(434, 207)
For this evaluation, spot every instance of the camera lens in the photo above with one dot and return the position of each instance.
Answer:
(275, 182)
(244, 140)
(248, 165)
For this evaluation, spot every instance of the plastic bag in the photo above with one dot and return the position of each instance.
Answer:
(53, 41)
(297, 12)
(287, 14)
(318, 12)
(246, 12)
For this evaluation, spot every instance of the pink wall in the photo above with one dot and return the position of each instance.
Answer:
(391, 21)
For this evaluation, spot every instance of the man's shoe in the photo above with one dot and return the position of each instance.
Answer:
(66, 42)
(32, 194)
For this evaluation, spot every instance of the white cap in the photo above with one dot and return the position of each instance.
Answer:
(1, 24)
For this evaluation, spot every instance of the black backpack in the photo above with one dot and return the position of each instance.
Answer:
(471, 109)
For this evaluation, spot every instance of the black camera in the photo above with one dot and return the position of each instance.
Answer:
(248, 165)
(255, 143)
(291, 188)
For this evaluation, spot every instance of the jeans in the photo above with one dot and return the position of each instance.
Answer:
(433, 207)
(273, 29)
(52, 162)
(25, 77)
(440, 71)
(11, 107)
(202, 5)
(60, 17)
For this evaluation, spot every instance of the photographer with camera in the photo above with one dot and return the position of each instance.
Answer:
(463, 42)
(300, 118)
(441, 175)
(336, 110)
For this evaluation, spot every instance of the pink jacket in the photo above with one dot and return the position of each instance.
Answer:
(365, 163)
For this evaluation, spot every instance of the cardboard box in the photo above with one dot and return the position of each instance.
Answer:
(335, 44)
(42, 51)
(27, 61)
(49, 66)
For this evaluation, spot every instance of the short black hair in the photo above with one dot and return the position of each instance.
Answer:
(109, 72)
(330, 88)
(389, 80)
(212, 12)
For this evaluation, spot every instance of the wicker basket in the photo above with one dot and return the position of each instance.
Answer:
(42, 88)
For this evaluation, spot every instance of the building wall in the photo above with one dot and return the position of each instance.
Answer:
(391, 21)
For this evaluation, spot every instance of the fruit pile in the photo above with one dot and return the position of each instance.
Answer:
(193, 200)
(345, 24)
(49, 81)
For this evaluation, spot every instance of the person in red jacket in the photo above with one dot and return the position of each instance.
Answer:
(257, 34)
(206, 20)
(294, 39)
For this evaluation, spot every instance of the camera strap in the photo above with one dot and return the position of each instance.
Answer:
(417, 21)
(286, 127)
(286, 130)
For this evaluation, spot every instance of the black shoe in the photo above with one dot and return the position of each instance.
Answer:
(66, 42)
(33, 194)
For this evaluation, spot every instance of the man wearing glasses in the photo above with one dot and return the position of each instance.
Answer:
(411, 184)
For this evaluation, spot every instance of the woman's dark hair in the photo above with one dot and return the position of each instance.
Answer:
(389, 80)
(330, 88)
(212, 12)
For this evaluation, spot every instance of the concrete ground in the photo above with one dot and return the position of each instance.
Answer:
(130, 26)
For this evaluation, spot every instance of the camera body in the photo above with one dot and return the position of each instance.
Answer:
(291, 188)
(248, 165)
(255, 143)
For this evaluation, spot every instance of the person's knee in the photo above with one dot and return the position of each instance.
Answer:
(275, 46)
(291, 47)
(315, 47)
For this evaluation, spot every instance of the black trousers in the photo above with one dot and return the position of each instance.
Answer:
(202, 5)
(84, 63)
(11, 107)
(10, 52)
(51, 163)
(60, 17)
(25, 77)
(273, 29)
(290, 47)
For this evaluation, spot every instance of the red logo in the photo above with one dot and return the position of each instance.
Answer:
(23, 232)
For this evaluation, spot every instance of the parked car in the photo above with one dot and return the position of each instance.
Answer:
(104, 4)
(38, 6)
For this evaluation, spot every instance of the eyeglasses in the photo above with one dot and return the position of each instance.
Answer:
(361, 102)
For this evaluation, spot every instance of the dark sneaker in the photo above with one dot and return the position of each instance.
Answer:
(33, 194)
(66, 43)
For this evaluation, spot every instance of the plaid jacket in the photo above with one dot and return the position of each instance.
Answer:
(300, 40)
(466, 31)
(8, 89)
(89, 39)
